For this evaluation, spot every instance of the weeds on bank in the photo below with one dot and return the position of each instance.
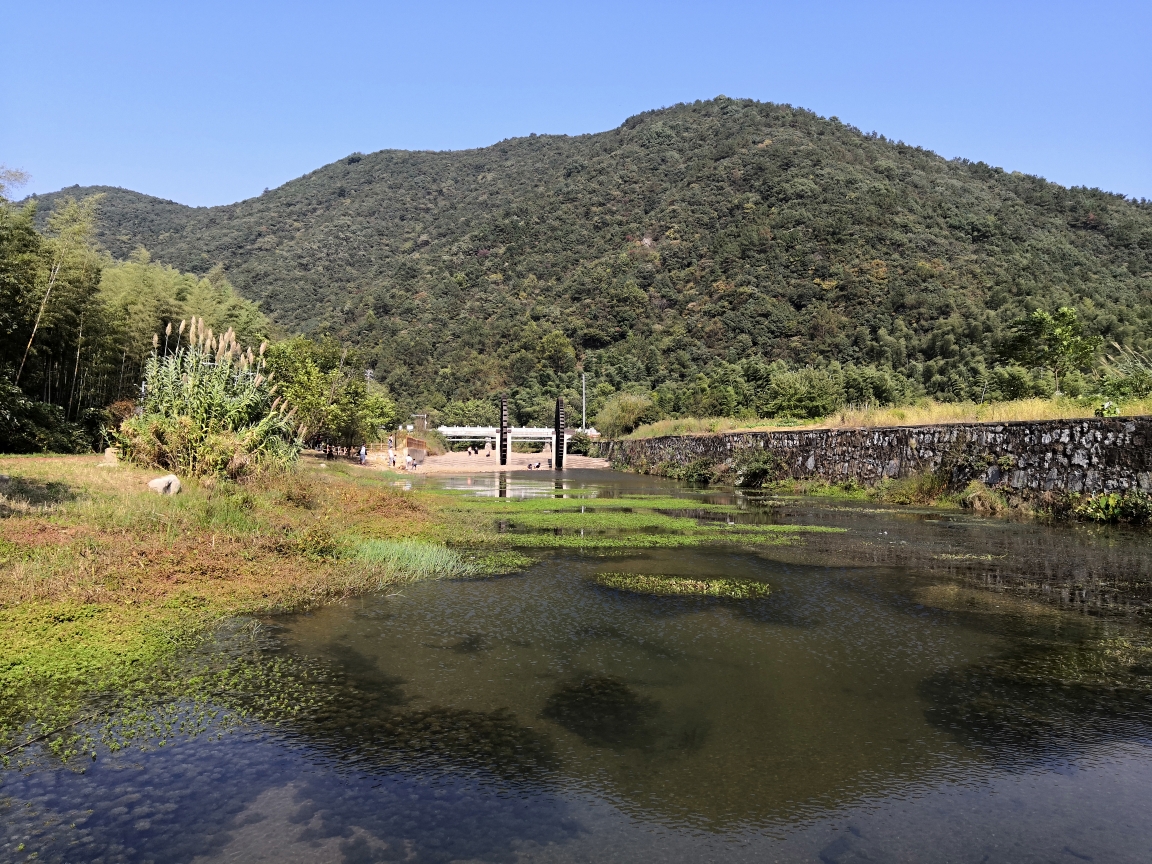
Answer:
(1132, 505)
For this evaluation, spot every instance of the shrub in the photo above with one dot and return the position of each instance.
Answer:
(579, 444)
(208, 410)
(806, 393)
(1127, 375)
(755, 468)
(27, 426)
(1133, 505)
(624, 412)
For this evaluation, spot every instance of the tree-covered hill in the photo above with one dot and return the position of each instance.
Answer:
(679, 255)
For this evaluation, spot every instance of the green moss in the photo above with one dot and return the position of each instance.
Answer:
(500, 563)
(650, 541)
(640, 583)
(819, 489)
(601, 521)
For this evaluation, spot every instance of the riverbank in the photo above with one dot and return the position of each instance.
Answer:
(102, 580)
(1049, 464)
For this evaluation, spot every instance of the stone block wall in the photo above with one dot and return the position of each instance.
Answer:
(1078, 456)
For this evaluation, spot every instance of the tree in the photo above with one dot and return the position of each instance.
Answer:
(557, 353)
(329, 388)
(1054, 342)
(71, 268)
(807, 393)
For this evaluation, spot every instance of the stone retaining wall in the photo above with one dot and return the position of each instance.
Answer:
(1079, 456)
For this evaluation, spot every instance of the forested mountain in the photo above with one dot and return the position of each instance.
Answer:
(679, 255)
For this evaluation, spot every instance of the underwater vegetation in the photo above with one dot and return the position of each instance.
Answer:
(640, 583)
(1047, 694)
(604, 711)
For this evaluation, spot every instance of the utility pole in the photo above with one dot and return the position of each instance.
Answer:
(583, 401)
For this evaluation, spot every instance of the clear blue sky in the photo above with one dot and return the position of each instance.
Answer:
(209, 103)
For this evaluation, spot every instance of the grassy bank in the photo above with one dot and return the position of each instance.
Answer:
(102, 581)
(924, 413)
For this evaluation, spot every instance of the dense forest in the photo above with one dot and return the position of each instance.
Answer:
(691, 256)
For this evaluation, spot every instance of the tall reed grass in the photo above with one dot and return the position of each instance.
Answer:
(208, 408)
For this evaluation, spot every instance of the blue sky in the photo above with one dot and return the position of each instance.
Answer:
(209, 103)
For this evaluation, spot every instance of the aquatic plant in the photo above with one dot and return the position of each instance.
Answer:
(415, 559)
(642, 583)
(601, 520)
(1132, 505)
(604, 711)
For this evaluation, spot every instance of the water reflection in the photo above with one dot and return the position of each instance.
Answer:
(879, 705)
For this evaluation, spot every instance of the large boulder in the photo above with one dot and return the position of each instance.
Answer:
(166, 485)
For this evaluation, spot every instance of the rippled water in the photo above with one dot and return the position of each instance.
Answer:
(881, 705)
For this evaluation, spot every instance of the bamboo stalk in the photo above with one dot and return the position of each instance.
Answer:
(36, 325)
(76, 371)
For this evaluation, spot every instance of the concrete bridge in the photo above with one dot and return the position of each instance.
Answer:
(504, 435)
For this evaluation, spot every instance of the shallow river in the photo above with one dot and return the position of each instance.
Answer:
(881, 704)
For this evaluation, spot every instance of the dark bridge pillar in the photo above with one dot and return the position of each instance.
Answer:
(504, 444)
(561, 426)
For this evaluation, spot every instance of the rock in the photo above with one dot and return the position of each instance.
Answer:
(167, 485)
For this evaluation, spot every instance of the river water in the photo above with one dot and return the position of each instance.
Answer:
(923, 687)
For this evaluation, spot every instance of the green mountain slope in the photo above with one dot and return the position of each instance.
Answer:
(678, 253)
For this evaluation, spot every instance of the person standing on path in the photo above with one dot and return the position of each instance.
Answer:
(363, 455)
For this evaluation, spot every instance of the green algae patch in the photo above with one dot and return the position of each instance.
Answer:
(601, 521)
(699, 537)
(640, 583)
(500, 563)
(604, 541)
(780, 528)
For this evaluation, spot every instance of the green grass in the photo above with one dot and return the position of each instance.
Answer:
(414, 559)
(639, 583)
